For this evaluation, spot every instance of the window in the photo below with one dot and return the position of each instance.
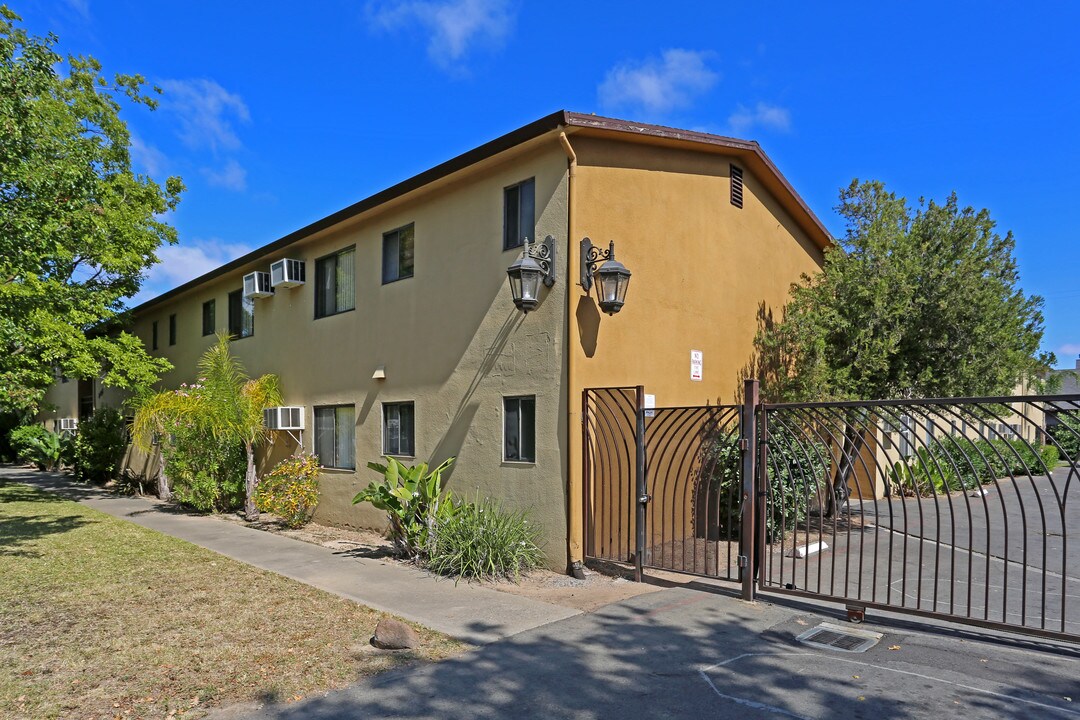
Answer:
(153, 335)
(209, 322)
(335, 436)
(519, 213)
(172, 329)
(398, 438)
(241, 315)
(519, 429)
(397, 254)
(736, 186)
(335, 283)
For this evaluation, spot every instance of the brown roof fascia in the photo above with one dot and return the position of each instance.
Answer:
(772, 178)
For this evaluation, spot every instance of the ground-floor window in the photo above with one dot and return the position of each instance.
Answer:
(335, 436)
(398, 430)
(519, 429)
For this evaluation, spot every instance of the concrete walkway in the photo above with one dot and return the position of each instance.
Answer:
(471, 613)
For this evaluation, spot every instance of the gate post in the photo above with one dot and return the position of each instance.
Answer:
(748, 445)
(640, 486)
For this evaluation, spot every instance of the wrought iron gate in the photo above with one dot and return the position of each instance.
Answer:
(955, 508)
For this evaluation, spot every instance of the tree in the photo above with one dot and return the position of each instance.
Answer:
(78, 227)
(224, 403)
(912, 304)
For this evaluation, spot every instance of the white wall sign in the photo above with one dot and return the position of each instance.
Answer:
(696, 357)
(650, 404)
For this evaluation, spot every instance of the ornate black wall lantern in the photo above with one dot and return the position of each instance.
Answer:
(612, 277)
(536, 263)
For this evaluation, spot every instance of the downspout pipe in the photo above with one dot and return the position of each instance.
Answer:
(575, 490)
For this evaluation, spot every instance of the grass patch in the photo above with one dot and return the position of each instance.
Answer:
(102, 618)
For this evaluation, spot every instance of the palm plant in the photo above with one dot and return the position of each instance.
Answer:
(225, 403)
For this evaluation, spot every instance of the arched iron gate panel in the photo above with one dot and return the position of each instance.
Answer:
(955, 508)
(693, 479)
(609, 454)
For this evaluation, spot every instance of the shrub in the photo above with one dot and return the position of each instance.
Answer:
(482, 541)
(414, 502)
(798, 469)
(35, 444)
(1067, 434)
(960, 463)
(290, 490)
(207, 474)
(98, 447)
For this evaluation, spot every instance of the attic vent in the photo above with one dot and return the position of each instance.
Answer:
(834, 637)
(736, 186)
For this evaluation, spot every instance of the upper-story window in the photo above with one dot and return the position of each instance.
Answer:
(335, 283)
(153, 335)
(241, 315)
(397, 255)
(519, 213)
(172, 329)
(209, 321)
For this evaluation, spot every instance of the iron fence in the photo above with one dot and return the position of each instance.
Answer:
(953, 508)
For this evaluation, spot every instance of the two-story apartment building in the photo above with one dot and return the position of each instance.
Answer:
(403, 338)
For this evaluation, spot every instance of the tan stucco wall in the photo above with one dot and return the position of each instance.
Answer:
(449, 338)
(702, 271)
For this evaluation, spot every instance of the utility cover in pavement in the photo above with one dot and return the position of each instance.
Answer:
(836, 637)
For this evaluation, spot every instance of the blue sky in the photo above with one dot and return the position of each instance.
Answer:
(277, 114)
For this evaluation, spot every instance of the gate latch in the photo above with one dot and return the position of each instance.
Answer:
(644, 499)
(743, 561)
(744, 444)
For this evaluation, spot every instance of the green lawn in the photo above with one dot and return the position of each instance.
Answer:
(100, 618)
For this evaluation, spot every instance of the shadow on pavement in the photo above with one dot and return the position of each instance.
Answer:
(684, 654)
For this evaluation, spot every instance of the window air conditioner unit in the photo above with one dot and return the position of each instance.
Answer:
(69, 424)
(257, 285)
(284, 418)
(287, 273)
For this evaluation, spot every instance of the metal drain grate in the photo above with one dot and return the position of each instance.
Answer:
(834, 637)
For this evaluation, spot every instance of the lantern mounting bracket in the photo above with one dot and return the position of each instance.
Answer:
(590, 256)
(544, 254)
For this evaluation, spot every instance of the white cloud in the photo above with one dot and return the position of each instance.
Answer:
(207, 112)
(1068, 350)
(147, 157)
(80, 7)
(772, 117)
(454, 26)
(672, 81)
(185, 261)
(231, 177)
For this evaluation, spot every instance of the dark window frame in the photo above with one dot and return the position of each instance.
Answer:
(211, 306)
(320, 310)
(172, 329)
(236, 320)
(513, 234)
(523, 452)
(337, 464)
(153, 335)
(395, 236)
(398, 450)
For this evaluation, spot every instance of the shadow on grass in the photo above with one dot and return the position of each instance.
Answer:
(21, 530)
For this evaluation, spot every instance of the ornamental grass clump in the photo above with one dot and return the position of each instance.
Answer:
(290, 490)
(483, 541)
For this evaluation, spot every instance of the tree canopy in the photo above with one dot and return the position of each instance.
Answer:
(912, 303)
(78, 228)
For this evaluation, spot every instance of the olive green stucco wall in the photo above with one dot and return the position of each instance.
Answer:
(449, 340)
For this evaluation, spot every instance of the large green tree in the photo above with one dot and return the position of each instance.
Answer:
(913, 302)
(78, 228)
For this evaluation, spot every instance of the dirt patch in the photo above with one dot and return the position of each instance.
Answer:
(594, 591)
